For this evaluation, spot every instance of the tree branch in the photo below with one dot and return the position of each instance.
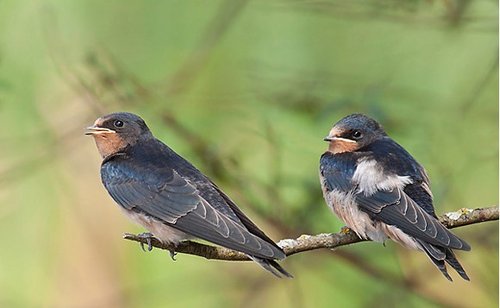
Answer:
(462, 217)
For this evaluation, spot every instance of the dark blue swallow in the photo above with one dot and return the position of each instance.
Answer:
(380, 191)
(164, 193)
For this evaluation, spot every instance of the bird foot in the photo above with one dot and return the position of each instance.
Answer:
(148, 237)
(172, 254)
(345, 230)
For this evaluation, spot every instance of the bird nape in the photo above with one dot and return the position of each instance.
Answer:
(168, 196)
(380, 191)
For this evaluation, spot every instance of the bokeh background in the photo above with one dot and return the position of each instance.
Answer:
(246, 90)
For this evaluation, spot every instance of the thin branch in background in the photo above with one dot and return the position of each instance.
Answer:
(275, 168)
(201, 148)
(215, 30)
(55, 50)
(42, 158)
(478, 89)
(462, 217)
(398, 12)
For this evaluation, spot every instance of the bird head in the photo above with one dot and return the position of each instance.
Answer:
(114, 132)
(353, 132)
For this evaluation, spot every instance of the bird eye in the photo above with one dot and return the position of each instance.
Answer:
(118, 123)
(357, 134)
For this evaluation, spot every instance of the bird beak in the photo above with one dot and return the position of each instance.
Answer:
(330, 138)
(95, 130)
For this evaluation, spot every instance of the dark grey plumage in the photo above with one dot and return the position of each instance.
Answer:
(381, 191)
(175, 201)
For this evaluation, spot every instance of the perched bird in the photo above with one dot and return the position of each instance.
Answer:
(167, 195)
(378, 189)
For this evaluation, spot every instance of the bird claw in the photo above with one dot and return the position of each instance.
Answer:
(345, 230)
(147, 236)
(172, 254)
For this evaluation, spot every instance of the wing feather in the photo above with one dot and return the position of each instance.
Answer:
(237, 237)
(396, 208)
(167, 196)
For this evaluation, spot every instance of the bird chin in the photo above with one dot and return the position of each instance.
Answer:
(341, 145)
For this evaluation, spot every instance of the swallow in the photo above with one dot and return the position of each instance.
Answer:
(381, 192)
(158, 189)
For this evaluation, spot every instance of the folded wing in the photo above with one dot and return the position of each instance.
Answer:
(395, 207)
(167, 196)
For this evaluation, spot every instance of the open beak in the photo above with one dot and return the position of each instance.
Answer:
(95, 130)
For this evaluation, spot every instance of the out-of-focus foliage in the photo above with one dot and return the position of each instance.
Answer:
(246, 90)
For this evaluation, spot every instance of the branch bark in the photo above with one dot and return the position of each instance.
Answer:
(462, 217)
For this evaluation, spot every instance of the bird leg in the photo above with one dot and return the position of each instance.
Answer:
(147, 236)
(172, 254)
(345, 230)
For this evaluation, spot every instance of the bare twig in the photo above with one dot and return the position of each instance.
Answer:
(456, 219)
(226, 14)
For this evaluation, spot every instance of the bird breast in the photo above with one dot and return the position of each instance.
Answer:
(370, 178)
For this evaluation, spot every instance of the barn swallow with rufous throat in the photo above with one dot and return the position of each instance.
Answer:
(380, 191)
(167, 195)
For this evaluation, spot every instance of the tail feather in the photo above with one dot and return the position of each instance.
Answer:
(272, 266)
(434, 252)
(441, 266)
(440, 255)
(453, 262)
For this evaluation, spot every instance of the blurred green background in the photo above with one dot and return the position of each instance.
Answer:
(246, 90)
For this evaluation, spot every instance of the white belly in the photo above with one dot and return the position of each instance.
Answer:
(345, 207)
(160, 230)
